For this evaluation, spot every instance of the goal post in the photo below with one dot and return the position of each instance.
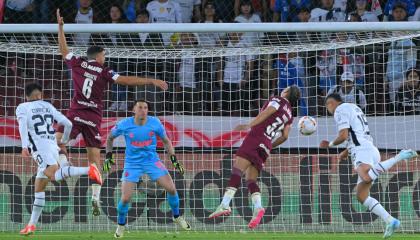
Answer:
(219, 76)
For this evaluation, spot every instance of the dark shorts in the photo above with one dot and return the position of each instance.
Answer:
(88, 128)
(254, 150)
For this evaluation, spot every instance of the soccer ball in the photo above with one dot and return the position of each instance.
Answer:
(307, 125)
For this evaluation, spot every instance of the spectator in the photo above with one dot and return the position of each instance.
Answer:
(144, 39)
(261, 8)
(18, 11)
(361, 10)
(327, 13)
(287, 10)
(416, 16)
(164, 11)
(234, 76)
(408, 5)
(190, 10)
(41, 11)
(303, 15)
(247, 16)
(326, 63)
(210, 39)
(409, 94)
(132, 8)
(224, 9)
(402, 55)
(84, 15)
(349, 92)
(188, 92)
(291, 71)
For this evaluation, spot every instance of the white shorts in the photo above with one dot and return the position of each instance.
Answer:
(45, 158)
(370, 156)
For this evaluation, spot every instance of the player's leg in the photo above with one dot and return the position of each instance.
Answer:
(167, 183)
(94, 155)
(127, 189)
(239, 167)
(384, 166)
(251, 176)
(39, 203)
(363, 196)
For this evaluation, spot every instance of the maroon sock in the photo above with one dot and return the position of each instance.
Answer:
(252, 186)
(235, 178)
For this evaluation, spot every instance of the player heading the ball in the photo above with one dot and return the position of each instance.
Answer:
(268, 130)
(90, 80)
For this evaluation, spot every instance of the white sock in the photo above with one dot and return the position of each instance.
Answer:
(96, 191)
(62, 160)
(70, 171)
(39, 203)
(375, 207)
(256, 200)
(230, 192)
(381, 167)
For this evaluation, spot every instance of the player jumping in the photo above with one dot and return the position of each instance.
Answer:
(141, 158)
(268, 130)
(91, 78)
(36, 118)
(353, 126)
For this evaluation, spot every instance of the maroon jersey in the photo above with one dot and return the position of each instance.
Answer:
(271, 128)
(258, 143)
(90, 81)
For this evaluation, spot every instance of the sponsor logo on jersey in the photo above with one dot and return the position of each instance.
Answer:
(89, 123)
(91, 67)
(88, 104)
(142, 143)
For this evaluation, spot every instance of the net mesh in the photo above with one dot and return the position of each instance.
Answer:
(216, 81)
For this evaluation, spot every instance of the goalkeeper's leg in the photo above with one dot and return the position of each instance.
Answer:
(253, 189)
(127, 189)
(167, 183)
(239, 167)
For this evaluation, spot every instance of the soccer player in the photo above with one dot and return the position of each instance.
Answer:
(91, 78)
(36, 118)
(353, 127)
(268, 130)
(141, 158)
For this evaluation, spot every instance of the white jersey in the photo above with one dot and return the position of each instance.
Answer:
(168, 12)
(187, 9)
(350, 116)
(36, 119)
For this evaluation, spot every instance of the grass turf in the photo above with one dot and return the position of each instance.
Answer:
(204, 235)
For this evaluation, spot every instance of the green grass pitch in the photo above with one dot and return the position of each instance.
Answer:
(205, 235)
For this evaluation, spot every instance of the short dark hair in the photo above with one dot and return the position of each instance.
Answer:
(143, 12)
(30, 87)
(294, 95)
(92, 51)
(410, 70)
(335, 96)
(399, 5)
(143, 101)
(303, 9)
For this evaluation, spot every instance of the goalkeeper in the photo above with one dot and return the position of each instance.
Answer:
(141, 158)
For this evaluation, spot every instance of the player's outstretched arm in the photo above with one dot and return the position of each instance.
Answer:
(62, 43)
(284, 136)
(262, 116)
(64, 121)
(342, 136)
(137, 81)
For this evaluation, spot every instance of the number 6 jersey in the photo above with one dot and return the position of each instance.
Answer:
(36, 119)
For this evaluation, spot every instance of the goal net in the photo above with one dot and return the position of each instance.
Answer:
(217, 80)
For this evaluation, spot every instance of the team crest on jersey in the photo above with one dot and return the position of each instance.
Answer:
(151, 134)
(168, 9)
(126, 174)
(162, 10)
(84, 64)
(131, 135)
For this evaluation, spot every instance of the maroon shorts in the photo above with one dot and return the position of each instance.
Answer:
(88, 128)
(255, 150)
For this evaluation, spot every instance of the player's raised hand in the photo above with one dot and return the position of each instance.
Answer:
(60, 20)
(109, 161)
(178, 166)
(324, 144)
(241, 127)
(161, 84)
(25, 152)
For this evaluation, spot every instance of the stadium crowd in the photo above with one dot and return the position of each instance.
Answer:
(380, 79)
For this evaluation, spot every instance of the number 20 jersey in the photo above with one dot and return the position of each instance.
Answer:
(39, 117)
(90, 80)
(270, 129)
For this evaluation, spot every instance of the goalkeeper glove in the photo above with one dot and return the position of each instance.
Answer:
(109, 161)
(178, 166)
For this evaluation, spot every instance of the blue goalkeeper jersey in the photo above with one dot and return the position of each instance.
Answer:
(140, 140)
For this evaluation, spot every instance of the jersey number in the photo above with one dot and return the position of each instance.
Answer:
(364, 123)
(87, 87)
(48, 120)
(271, 130)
